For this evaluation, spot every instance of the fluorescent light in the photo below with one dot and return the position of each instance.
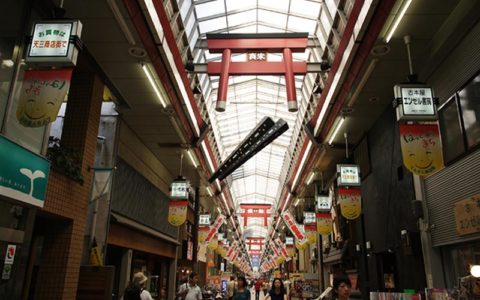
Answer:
(219, 210)
(224, 201)
(339, 125)
(310, 178)
(397, 20)
(192, 159)
(209, 191)
(302, 162)
(296, 202)
(362, 82)
(146, 70)
(155, 20)
(207, 155)
(121, 21)
(284, 205)
(217, 182)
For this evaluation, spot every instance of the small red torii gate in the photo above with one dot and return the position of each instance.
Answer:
(254, 241)
(255, 211)
(285, 43)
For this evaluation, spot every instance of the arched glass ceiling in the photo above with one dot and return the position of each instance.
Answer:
(250, 98)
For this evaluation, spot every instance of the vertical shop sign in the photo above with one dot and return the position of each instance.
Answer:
(282, 248)
(311, 233)
(202, 233)
(23, 174)
(414, 102)
(177, 212)
(350, 202)
(214, 228)
(8, 263)
(42, 94)
(421, 148)
(293, 226)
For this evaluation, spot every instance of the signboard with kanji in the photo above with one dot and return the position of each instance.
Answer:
(308, 217)
(348, 175)
(467, 215)
(256, 56)
(324, 202)
(179, 189)
(415, 102)
(52, 42)
(204, 220)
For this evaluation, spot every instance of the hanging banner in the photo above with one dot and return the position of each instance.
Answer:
(291, 250)
(230, 252)
(177, 212)
(311, 233)
(213, 242)
(324, 223)
(42, 94)
(301, 245)
(282, 248)
(214, 228)
(202, 233)
(274, 249)
(421, 148)
(293, 226)
(350, 202)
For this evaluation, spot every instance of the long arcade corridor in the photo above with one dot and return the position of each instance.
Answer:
(311, 141)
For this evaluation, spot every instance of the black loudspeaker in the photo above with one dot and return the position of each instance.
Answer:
(417, 209)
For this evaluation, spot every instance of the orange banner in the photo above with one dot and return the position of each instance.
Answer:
(42, 94)
(421, 148)
(324, 223)
(350, 202)
(177, 212)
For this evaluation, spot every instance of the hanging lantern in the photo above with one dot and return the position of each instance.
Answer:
(177, 212)
(350, 202)
(202, 233)
(324, 223)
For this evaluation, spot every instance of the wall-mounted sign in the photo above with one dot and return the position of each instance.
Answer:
(324, 201)
(10, 255)
(177, 212)
(467, 215)
(23, 174)
(348, 175)
(421, 148)
(179, 189)
(54, 42)
(309, 217)
(350, 202)
(204, 220)
(42, 94)
(414, 102)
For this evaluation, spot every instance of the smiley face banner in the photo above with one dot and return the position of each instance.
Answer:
(421, 148)
(42, 94)
(350, 202)
(177, 212)
(324, 223)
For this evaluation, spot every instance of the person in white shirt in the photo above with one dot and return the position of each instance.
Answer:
(136, 289)
(190, 290)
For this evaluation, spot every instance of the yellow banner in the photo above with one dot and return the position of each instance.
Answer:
(202, 233)
(421, 148)
(42, 94)
(213, 243)
(324, 223)
(177, 212)
(301, 245)
(311, 233)
(350, 202)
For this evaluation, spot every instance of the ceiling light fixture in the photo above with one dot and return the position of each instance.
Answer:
(362, 82)
(296, 202)
(397, 19)
(302, 163)
(192, 159)
(207, 155)
(337, 128)
(148, 73)
(121, 21)
(219, 210)
(310, 178)
(209, 191)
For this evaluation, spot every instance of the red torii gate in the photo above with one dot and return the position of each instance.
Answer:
(285, 43)
(254, 241)
(255, 211)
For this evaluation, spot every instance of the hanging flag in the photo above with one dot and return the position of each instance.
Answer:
(350, 202)
(324, 223)
(311, 233)
(214, 228)
(293, 226)
(291, 250)
(421, 148)
(213, 243)
(282, 248)
(42, 94)
(301, 245)
(202, 233)
(177, 212)
(231, 252)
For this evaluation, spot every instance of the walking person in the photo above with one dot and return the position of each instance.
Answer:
(242, 292)
(136, 288)
(231, 287)
(190, 290)
(258, 287)
(277, 292)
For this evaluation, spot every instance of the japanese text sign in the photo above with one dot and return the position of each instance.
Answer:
(350, 202)
(179, 189)
(324, 202)
(204, 220)
(416, 102)
(293, 226)
(348, 175)
(467, 215)
(309, 217)
(256, 56)
(214, 228)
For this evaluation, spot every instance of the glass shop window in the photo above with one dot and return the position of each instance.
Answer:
(451, 130)
(469, 98)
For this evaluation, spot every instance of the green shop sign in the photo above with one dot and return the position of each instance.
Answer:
(23, 174)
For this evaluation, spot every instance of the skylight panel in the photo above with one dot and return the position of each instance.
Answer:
(240, 4)
(277, 19)
(213, 24)
(301, 25)
(209, 8)
(277, 4)
(242, 18)
(307, 8)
